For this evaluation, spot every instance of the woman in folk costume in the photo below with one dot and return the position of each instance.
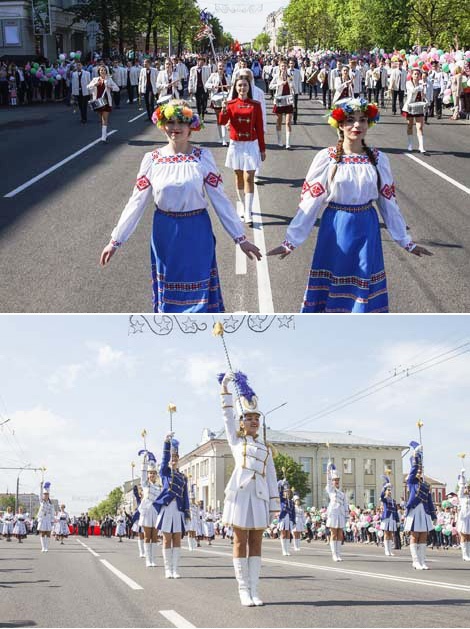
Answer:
(337, 512)
(8, 523)
(218, 85)
(415, 107)
(19, 529)
(184, 267)
(300, 524)
(63, 521)
(148, 514)
(463, 521)
(136, 528)
(173, 507)
(120, 522)
(283, 84)
(45, 518)
(251, 495)
(192, 525)
(390, 519)
(209, 527)
(420, 509)
(347, 272)
(286, 518)
(247, 148)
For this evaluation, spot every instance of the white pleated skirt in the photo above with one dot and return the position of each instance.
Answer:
(199, 528)
(7, 528)
(463, 524)
(19, 528)
(245, 510)
(170, 519)
(45, 525)
(388, 524)
(418, 520)
(285, 524)
(136, 528)
(148, 514)
(336, 521)
(243, 155)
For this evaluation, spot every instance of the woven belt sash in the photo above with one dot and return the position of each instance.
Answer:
(181, 214)
(350, 208)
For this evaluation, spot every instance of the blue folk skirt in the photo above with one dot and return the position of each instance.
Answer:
(184, 268)
(347, 273)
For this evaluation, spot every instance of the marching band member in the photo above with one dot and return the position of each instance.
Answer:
(286, 515)
(148, 86)
(344, 87)
(356, 76)
(183, 74)
(283, 84)
(191, 527)
(8, 523)
(372, 77)
(390, 518)
(345, 180)
(381, 74)
(209, 528)
(398, 86)
(338, 511)
(169, 82)
(102, 86)
(251, 495)
(62, 524)
(200, 523)
(296, 77)
(79, 86)
(299, 527)
(45, 518)
(247, 149)
(136, 527)
(463, 521)
(218, 85)
(420, 509)
(172, 506)
(198, 76)
(120, 522)
(132, 80)
(184, 266)
(148, 513)
(119, 76)
(19, 530)
(415, 108)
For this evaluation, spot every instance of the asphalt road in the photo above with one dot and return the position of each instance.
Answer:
(52, 232)
(71, 587)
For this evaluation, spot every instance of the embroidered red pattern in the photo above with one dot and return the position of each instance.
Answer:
(180, 158)
(213, 179)
(142, 183)
(388, 191)
(315, 189)
(352, 159)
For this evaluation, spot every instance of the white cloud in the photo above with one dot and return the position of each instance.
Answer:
(65, 377)
(108, 356)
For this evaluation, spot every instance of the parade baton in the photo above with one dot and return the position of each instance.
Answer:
(420, 424)
(171, 410)
(462, 455)
(144, 434)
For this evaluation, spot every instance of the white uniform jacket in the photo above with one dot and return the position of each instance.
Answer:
(143, 80)
(398, 79)
(45, 515)
(134, 75)
(119, 75)
(192, 85)
(110, 87)
(253, 460)
(338, 505)
(214, 82)
(182, 71)
(163, 81)
(85, 80)
(296, 80)
(412, 92)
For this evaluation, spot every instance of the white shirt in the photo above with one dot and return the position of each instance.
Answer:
(163, 81)
(179, 183)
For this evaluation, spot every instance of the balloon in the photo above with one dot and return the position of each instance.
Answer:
(442, 59)
(423, 55)
(438, 528)
(39, 74)
(62, 57)
(440, 52)
(36, 65)
(445, 67)
(451, 66)
(51, 79)
(72, 55)
(447, 92)
(27, 67)
(58, 77)
(403, 52)
(33, 70)
(458, 55)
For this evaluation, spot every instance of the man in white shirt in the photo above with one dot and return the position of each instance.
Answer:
(356, 76)
(438, 86)
(80, 80)
(296, 82)
(398, 86)
(198, 78)
(148, 86)
(183, 73)
(118, 74)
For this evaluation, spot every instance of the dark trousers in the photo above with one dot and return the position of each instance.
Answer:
(326, 96)
(130, 92)
(379, 93)
(149, 103)
(266, 83)
(83, 106)
(400, 95)
(201, 102)
(117, 99)
(436, 105)
(296, 100)
(369, 94)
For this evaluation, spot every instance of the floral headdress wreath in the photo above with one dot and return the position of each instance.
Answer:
(181, 113)
(348, 106)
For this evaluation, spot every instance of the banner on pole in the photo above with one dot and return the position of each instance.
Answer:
(41, 17)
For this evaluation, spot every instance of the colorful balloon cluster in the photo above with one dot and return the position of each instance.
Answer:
(51, 74)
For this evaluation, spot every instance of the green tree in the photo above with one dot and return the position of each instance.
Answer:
(294, 473)
(7, 500)
(108, 505)
(261, 42)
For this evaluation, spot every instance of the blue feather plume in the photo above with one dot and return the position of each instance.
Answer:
(175, 443)
(414, 444)
(46, 485)
(385, 479)
(333, 467)
(151, 457)
(220, 377)
(243, 387)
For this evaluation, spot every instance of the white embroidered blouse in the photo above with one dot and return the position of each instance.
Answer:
(179, 183)
(354, 183)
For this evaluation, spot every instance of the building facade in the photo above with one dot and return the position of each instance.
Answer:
(274, 22)
(19, 41)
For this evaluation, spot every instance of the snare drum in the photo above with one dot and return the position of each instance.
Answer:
(284, 101)
(218, 100)
(164, 100)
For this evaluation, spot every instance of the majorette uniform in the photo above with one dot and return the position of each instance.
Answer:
(148, 513)
(337, 511)
(191, 526)
(389, 518)
(286, 515)
(136, 528)
(8, 523)
(184, 268)
(463, 520)
(20, 527)
(209, 528)
(347, 272)
(45, 519)
(299, 525)
(120, 522)
(246, 134)
(420, 509)
(217, 84)
(173, 507)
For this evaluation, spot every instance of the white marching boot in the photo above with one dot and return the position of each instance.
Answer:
(168, 562)
(338, 551)
(46, 543)
(333, 550)
(422, 556)
(190, 544)
(288, 137)
(140, 544)
(466, 551)
(415, 556)
(254, 569)
(43, 548)
(148, 560)
(279, 137)
(249, 197)
(296, 544)
(240, 565)
(176, 562)
(104, 133)
(388, 547)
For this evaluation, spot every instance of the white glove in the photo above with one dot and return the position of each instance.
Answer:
(419, 448)
(226, 379)
(169, 436)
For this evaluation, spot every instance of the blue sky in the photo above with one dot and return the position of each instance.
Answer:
(79, 389)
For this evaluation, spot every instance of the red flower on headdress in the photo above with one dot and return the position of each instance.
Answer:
(338, 114)
(372, 111)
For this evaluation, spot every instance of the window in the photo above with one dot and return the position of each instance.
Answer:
(324, 463)
(347, 466)
(351, 496)
(389, 464)
(369, 496)
(11, 33)
(369, 466)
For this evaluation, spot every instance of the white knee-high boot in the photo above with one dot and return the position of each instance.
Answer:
(190, 543)
(333, 550)
(249, 197)
(279, 137)
(415, 556)
(140, 544)
(223, 131)
(288, 137)
(338, 550)
(410, 141)
(420, 141)
(176, 562)
(387, 547)
(466, 552)
(43, 547)
(104, 132)
(147, 551)
(168, 562)
(254, 569)
(240, 565)
(422, 556)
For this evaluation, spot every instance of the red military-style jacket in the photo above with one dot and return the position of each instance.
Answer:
(246, 121)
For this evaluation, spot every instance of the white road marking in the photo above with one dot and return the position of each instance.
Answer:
(127, 580)
(137, 117)
(88, 548)
(457, 184)
(240, 257)
(265, 296)
(175, 618)
(359, 573)
(30, 182)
